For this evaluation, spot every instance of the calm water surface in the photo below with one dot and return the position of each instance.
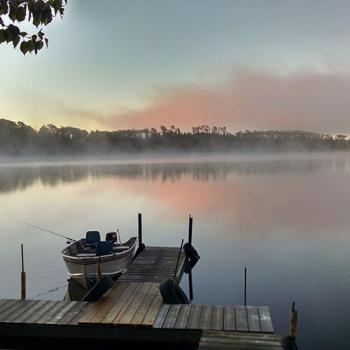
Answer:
(286, 219)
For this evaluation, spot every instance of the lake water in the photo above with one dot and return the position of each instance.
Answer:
(286, 218)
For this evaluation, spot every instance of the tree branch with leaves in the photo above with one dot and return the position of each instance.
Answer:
(38, 12)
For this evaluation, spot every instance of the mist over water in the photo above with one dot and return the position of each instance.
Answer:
(285, 217)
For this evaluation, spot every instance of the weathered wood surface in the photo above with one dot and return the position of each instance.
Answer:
(155, 264)
(218, 340)
(133, 310)
(127, 303)
(215, 317)
(40, 312)
(137, 304)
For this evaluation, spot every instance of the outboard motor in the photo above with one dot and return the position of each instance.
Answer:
(112, 236)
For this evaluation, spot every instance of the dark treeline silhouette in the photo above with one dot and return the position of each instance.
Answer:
(21, 139)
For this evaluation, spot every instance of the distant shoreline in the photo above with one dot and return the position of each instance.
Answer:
(163, 158)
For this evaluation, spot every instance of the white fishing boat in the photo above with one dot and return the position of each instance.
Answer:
(85, 257)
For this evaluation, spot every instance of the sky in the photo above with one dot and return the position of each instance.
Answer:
(248, 64)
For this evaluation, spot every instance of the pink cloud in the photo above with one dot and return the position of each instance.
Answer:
(250, 100)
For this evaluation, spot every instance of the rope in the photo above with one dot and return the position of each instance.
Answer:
(52, 290)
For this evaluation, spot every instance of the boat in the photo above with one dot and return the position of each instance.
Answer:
(90, 256)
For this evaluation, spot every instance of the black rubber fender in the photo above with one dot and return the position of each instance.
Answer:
(190, 252)
(172, 293)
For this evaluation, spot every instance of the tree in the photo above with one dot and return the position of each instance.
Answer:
(38, 12)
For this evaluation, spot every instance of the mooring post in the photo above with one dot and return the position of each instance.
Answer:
(293, 322)
(23, 276)
(190, 225)
(245, 286)
(140, 228)
(190, 285)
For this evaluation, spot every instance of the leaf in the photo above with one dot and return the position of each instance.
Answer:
(4, 8)
(24, 47)
(46, 42)
(12, 13)
(39, 45)
(20, 14)
(2, 36)
(15, 41)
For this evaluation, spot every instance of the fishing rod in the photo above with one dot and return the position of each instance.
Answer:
(45, 230)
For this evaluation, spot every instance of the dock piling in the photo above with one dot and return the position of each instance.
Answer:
(293, 322)
(23, 276)
(245, 286)
(190, 285)
(140, 228)
(190, 225)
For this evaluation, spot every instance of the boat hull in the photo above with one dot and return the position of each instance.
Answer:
(112, 267)
(86, 265)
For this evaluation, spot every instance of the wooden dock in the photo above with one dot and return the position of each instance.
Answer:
(133, 312)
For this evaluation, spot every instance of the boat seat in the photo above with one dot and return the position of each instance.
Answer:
(92, 238)
(104, 248)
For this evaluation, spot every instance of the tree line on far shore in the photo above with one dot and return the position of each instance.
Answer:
(18, 139)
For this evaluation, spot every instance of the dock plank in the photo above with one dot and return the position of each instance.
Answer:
(265, 319)
(229, 318)
(31, 310)
(158, 323)
(2, 302)
(114, 311)
(50, 313)
(253, 319)
(73, 312)
(100, 309)
(56, 318)
(153, 311)
(217, 320)
(219, 340)
(172, 316)
(135, 303)
(7, 308)
(194, 317)
(145, 304)
(23, 306)
(33, 318)
(182, 317)
(241, 319)
(205, 318)
(134, 297)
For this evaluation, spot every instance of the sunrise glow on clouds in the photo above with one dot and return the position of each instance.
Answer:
(243, 65)
(249, 100)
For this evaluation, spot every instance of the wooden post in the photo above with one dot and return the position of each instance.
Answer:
(140, 228)
(99, 272)
(190, 285)
(293, 322)
(190, 224)
(245, 286)
(178, 258)
(23, 276)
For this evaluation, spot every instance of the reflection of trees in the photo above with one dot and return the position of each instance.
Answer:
(20, 177)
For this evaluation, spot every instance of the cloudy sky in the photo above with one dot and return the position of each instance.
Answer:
(244, 64)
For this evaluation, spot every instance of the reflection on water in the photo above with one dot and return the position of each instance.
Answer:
(20, 177)
(287, 220)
